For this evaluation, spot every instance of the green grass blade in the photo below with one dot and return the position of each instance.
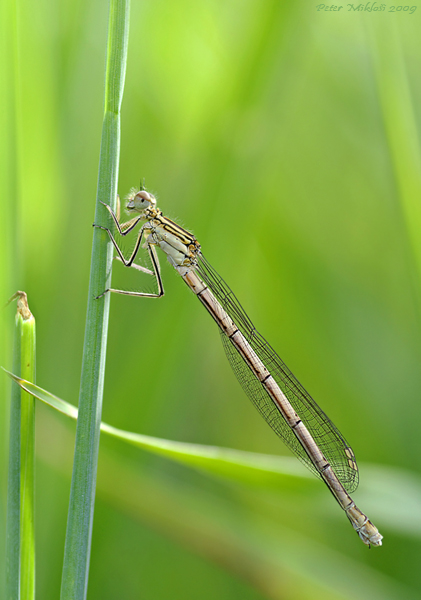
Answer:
(21, 491)
(27, 463)
(13, 488)
(398, 487)
(82, 495)
(9, 265)
(259, 470)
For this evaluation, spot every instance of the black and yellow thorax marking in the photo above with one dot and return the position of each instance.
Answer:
(172, 234)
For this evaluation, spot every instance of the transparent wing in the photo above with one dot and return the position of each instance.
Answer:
(326, 435)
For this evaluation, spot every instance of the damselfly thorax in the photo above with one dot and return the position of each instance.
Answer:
(180, 246)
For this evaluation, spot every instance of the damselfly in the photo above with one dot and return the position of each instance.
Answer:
(270, 385)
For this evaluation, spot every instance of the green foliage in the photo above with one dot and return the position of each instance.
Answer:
(27, 463)
(258, 470)
(20, 539)
(254, 469)
(286, 140)
(82, 494)
(13, 541)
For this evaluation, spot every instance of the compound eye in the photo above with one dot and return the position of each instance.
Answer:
(143, 195)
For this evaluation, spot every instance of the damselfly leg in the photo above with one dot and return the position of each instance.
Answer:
(124, 229)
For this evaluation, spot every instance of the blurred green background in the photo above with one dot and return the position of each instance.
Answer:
(286, 139)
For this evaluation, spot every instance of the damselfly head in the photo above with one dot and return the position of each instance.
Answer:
(139, 201)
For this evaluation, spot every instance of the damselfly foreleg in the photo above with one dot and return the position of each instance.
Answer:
(129, 262)
(123, 228)
(133, 223)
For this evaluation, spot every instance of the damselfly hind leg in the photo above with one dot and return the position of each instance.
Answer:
(156, 272)
(137, 267)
